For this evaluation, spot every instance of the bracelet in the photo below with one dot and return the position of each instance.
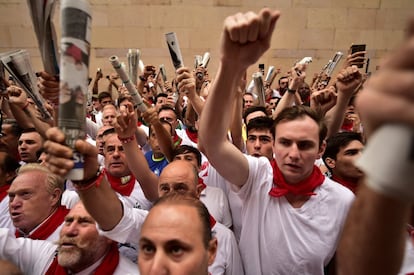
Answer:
(127, 139)
(25, 105)
(96, 180)
(291, 91)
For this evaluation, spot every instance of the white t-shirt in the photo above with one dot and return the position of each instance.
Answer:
(279, 239)
(136, 199)
(211, 177)
(35, 256)
(217, 204)
(5, 220)
(228, 256)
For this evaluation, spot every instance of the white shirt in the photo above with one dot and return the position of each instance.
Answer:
(35, 256)
(136, 199)
(279, 239)
(5, 220)
(228, 256)
(211, 177)
(217, 204)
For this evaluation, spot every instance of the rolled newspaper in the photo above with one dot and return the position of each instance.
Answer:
(18, 64)
(3, 86)
(198, 59)
(258, 84)
(331, 66)
(206, 60)
(75, 20)
(41, 13)
(125, 80)
(269, 74)
(163, 72)
(174, 48)
(133, 61)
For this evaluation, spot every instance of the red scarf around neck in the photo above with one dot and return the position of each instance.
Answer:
(177, 140)
(193, 136)
(348, 184)
(281, 187)
(3, 191)
(201, 181)
(212, 222)
(108, 265)
(49, 226)
(123, 185)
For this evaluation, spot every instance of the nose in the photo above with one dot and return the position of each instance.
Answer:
(159, 264)
(15, 202)
(70, 229)
(257, 144)
(294, 152)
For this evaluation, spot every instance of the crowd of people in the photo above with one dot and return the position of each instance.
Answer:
(209, 179)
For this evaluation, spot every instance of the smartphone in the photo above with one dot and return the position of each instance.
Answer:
(358, 48)
(262, 68)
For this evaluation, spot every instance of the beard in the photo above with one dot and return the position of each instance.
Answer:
(69, 257)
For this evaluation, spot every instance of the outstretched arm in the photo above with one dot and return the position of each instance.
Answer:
(244, 40)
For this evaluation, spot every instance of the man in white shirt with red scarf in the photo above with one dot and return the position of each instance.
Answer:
(292, 215)
(80, 250)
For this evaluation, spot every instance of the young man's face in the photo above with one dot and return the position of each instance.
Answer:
(29, 146)
(344, 165)
(171, 242)
(297, 147)
(260, 143)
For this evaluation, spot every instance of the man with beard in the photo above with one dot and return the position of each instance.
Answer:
(80, 249)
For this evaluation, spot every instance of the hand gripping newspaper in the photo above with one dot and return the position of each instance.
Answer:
(76, 22)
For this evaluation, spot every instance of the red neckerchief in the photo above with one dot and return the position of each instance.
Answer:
(348, 184)
(281, 187)
(49, 226)
(201, 181)
(176, 140)
(123, 185)
(192, 135)
(212, 222)
(347, 126)
(108, 265)
(3, 191)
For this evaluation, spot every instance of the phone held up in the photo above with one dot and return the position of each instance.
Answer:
(359, 48)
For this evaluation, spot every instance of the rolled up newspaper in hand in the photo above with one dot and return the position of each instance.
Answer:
(3, 85)
(163, 73)
(269, 75)
(174, 48)
(75, 20)
(206, 60)
(41, 14)
(198, 59)
(258, 84)
(18, 64)
(125, 80)
(133, 61)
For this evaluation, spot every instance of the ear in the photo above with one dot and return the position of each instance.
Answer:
(331, 163)
(322, 149)
(212, 250)
(56, 196)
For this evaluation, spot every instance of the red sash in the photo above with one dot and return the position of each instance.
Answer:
(281, 187)
(212, 222)
(3, 191)
(123, 185)
(201, 181)
(177, 140)
(108, 265)
(193, 136)
(348, 184)
(49, 226)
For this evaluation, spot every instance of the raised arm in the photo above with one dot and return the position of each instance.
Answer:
(126, 124)
(244, 40)
(375, 232)
(95, 192)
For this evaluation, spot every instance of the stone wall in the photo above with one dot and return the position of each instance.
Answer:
(316, 28)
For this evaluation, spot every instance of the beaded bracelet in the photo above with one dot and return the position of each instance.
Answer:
(127, 139)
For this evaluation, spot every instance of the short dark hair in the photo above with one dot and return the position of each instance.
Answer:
(185, 149)
(295, 112)
(9, 165)
(16, 130)
(252, 109)
(168, 107)
(338, 141)
(103, 95)
(187, 200)
(261, 123)
(283, 77)
(160, 95)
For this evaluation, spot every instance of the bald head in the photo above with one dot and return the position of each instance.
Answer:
(179, 176)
